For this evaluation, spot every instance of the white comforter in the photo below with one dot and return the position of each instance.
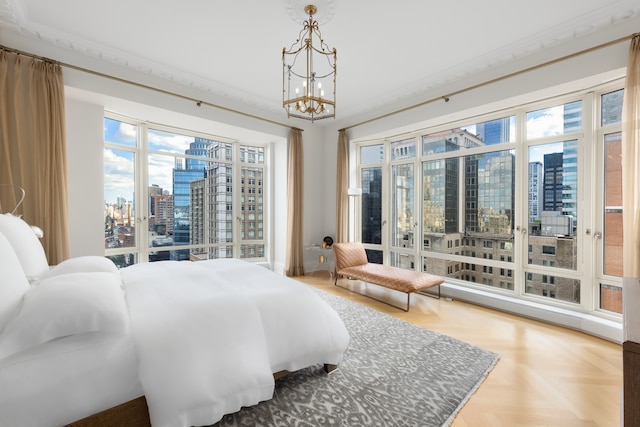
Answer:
(210, 335)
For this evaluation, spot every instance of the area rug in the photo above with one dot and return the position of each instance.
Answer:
(393, 374)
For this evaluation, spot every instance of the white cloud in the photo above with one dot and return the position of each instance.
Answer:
(547, 123)
(119, 176)
(164, 141)
(161, 171)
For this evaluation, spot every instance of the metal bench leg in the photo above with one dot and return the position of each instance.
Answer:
(427, 294)
(377, 299)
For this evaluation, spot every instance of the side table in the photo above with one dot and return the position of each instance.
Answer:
(322, 258)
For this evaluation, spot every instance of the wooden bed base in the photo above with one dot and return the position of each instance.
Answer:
(135, 413)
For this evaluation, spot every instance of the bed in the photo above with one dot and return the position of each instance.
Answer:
(187, 341)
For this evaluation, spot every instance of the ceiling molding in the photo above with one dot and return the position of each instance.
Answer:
(13, 16)
(295, 9)
(598, 21)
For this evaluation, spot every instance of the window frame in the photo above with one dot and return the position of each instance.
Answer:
(587, 141)
(141, 150)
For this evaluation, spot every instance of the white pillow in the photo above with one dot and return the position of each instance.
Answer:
(26, 244)
(13, 282)
(82, 264)
(64, 305)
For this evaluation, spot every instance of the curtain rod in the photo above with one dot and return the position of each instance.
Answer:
(420, 104)
(177, 95)
(497, 79)
(415, 131)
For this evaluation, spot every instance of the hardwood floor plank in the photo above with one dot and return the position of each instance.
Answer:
(547, 375)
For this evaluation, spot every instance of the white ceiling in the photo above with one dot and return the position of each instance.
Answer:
(389, 53)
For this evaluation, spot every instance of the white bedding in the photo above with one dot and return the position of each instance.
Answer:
(198, 339)
(66, 350)
(68, 379)
(210, 334)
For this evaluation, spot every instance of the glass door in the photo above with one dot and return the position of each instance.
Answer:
(372, 211)
(404, 220)
(553, 268)
(609, 233)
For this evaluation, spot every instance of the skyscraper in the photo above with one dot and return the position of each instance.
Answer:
(535, 190)
(494, 131)
(572, 122)
(182, 178)
(552, 196)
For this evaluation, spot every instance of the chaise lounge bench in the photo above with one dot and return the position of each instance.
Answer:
(351, 261)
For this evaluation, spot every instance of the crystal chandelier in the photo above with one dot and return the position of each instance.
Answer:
(309, 74)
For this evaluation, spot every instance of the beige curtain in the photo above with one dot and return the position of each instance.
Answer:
(631, 162)
(294, 263)
(33, 147)
(342, 185)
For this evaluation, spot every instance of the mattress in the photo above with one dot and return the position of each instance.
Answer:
(68, 379)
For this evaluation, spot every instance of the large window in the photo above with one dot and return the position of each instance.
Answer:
(510, 204)
(177, 195)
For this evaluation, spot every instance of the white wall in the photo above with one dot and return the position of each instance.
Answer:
(84, 128)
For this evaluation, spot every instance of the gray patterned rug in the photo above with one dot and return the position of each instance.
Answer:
(393, 374)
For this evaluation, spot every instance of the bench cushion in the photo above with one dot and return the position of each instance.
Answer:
(349, 254)
(395, 278)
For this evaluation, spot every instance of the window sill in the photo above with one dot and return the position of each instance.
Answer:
(585, 322)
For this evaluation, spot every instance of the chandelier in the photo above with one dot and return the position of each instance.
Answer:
(309, 74)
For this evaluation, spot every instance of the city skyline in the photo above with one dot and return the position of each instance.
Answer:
(119, 166)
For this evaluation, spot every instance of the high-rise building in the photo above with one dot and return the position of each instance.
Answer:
(198, 217)
(496, 181)
(536, 180)
(154, 190)
(494, 131)
(572, 123)
(372, 210)
(572, 117)
(194, 169)
(612, 107)
(552, 196)
(163, 218)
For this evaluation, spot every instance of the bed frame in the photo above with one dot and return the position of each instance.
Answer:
(135, 413)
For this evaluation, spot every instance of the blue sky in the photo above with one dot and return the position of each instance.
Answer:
(119, 164)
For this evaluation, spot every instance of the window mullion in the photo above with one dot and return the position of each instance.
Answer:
(239, 216)
(142, 191)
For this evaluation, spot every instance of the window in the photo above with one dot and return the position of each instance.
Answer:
(612, 235)
(514, 189)
(186, 208)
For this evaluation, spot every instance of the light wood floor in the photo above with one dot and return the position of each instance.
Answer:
(546, 376)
